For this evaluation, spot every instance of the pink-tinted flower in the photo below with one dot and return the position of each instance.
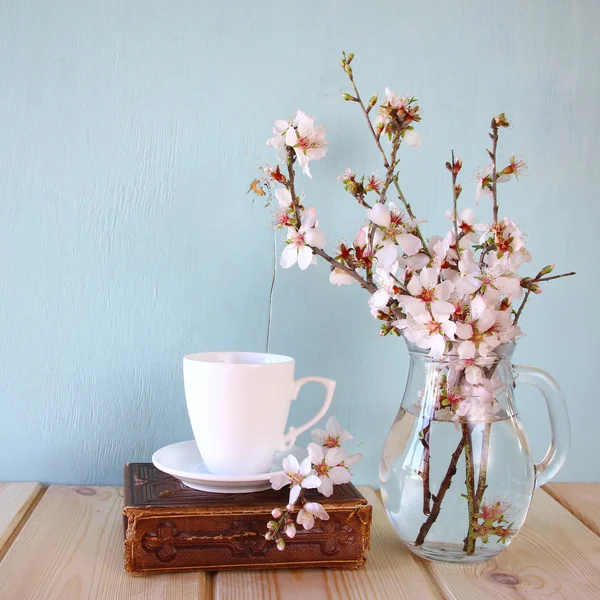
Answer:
(483, 180)
(374, 184)
(297, 475)
(299, 241)
(427, 293)
(397, 115)
(494, 511)
(278, 140)
(391, 232)
(348, 176)
(306, 515)
(284, 197)
(333, 436)
(307, 140)
(388, 287)
(339, 277)
(290, 530)
(476, 334)
(326, 465)
(427, 331)
(515, 167)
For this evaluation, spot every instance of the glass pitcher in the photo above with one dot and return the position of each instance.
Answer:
(457, 475)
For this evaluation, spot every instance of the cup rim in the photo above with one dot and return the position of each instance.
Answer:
(254, 359)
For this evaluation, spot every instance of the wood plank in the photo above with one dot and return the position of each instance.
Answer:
(554, 556)
(580, 499)
(391, 572)
(71, 547)
(15, 500)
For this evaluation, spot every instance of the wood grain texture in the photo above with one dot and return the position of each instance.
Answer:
(15, 500)
(391, 572)
(71, 548)
(580, 499)
(554, 556)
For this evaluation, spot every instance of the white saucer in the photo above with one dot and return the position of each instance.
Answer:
(184, 462)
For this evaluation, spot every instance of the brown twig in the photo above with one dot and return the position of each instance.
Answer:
(425, 438)
(522, 306)
(387, 164)
(494, 136)
(410, 213)
(482, 479)
(438, 499)
(367, 285)
(291, 185)
(389, 176)
(455, 207)
(539, 279)
(469, 542)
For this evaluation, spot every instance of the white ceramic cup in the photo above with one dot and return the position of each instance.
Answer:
(238, 404)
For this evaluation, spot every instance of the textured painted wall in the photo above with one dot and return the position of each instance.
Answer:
(128, 134)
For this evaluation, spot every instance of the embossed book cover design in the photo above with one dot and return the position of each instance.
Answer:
(169, 527)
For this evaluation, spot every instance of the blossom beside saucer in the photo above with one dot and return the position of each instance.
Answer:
(184, 462)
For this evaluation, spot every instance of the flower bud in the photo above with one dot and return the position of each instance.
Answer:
(290, 530)
(457, 165)
(348, 97)
(501, 120)
(535, 288)
(448, 166)
(350, 57)
(276, 513)
(546, 270)
(289, 507)
(269, 535)
(373, 101)
(280, 544)
(271, 524)
(457, 189)
(348, 69)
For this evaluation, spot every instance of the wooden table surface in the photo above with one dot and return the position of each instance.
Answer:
(66, 542)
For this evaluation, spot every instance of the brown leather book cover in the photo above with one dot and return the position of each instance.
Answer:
(170, 527)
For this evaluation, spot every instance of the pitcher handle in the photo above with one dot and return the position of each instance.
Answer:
(289, 439)
(559, 421)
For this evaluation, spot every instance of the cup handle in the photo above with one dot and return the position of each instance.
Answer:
(559, 421)
(289, 438)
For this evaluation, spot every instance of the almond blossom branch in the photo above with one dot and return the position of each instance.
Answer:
(467, 429)
(367, 285)
(531, 285)
(389, 165)
(538, 280)
(348, 69)
(522, 306)
(410, 213)
(494, 136)
(291, 185)
(482, 479)
(389, 177)
(454, 202)
(439, 497)
(425, 438)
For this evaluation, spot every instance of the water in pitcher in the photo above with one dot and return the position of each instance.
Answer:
(438, 529)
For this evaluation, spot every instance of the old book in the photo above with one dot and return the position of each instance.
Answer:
(170, 527)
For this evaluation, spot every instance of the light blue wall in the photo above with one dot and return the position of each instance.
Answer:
(128, 134)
